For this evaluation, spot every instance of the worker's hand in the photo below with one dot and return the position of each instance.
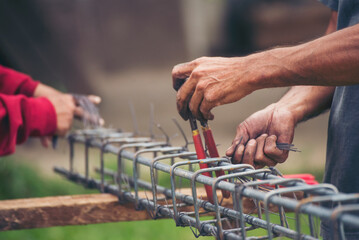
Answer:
(65, 107)
(259, 133)
(208, 82)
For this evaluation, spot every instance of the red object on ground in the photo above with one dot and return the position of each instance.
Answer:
(21, 115)
(308, 178)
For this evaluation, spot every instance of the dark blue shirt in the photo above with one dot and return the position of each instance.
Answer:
(342, 165)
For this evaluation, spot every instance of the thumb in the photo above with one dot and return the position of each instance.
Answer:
(241, 138)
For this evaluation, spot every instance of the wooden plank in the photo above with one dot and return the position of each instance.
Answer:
(71, 210)
(65, 210)
(84, 209)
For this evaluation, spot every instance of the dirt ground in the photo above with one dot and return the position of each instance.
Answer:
(145, 86)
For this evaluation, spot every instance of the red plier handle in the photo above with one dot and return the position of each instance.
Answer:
(197, 141)
(213, 152)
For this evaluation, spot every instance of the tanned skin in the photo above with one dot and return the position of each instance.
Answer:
(65, 108)
(313, 68)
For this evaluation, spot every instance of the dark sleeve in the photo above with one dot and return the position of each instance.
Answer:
(21, 117)
(332, 4)
(13, 82)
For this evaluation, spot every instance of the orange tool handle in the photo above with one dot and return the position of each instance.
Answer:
(213, 153)
(202, 155)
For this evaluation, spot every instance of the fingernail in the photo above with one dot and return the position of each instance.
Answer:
(97, 99)
(252, 141)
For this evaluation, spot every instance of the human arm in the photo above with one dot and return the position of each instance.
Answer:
(64, 105)
(328, 61)
(21, 117)
(13, 82)
(66, 109)
(276, 123)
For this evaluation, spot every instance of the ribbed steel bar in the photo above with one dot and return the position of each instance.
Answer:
(347, 219)
(207, 228)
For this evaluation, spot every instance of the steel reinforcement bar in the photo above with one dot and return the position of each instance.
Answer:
(117, 143)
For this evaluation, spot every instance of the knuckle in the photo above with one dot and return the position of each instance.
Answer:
(197, 74)
(210, 96)
(178, 97)
(175, 70)
(270, 150)
(200, 60)
(251, 143)
(264, 135)
(201, 86)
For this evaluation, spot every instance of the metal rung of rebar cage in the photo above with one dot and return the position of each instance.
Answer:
(264, 187)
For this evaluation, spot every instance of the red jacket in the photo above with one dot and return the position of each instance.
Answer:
(21, 115)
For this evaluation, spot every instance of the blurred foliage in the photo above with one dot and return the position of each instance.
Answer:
(20, 180)
(23, 181)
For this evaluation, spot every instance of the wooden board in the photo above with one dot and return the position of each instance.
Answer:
(71, 210)
(85, 209)
(65, 210)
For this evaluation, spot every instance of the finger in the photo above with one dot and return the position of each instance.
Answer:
(195, 102)
(184, 95)
(205, 109)
(260, 158)
(199, 105)
(259, 165)
(79, 112)
(94, 99)
(241, 136)
(238, 154)
(180, 73)
(235, 144)
(249, 152)
(211, 99)
(45, 141)
(102, 122)
(271, 150)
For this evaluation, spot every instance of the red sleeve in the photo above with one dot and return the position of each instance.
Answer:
(21, 117)
(12, 82)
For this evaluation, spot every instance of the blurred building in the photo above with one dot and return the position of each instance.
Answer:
(125, 50)
(62, 41)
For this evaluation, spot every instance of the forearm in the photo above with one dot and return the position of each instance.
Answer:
(43, 90)
(305, 102)
(332, 60)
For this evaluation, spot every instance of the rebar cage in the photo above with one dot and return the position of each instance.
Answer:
(276, 200)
